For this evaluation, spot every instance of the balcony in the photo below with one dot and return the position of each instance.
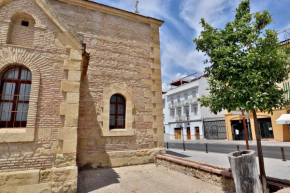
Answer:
(171, 106)
(177, 104)
(193, 100)
(182, 118)
(185, 102)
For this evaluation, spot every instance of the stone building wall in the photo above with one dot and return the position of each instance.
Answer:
(36, 158)
(124, 56)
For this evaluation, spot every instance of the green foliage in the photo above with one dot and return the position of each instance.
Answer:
(247, 63)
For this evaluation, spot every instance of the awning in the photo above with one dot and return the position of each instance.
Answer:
(283, 119)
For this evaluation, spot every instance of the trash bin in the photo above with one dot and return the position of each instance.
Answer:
(245, 172)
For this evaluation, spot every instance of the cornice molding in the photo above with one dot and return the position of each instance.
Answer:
(75, 40)
(114, 11)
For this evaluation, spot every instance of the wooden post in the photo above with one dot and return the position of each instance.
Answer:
(245, 172)
(245, 130)
(260, 154)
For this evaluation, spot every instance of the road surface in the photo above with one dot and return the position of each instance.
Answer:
(268, 151)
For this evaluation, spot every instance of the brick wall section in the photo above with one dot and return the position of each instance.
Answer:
(121, 51)
(37, 154)
(21, 35)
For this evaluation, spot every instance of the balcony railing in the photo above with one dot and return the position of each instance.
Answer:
(177, 104)
(182, 118)
(185, 102)
(193, 100)
(171, 106)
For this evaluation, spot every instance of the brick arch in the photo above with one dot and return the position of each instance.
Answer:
(10, 15)
(31, 60)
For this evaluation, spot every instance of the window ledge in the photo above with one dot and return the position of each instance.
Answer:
(16, 135)
(118, 132)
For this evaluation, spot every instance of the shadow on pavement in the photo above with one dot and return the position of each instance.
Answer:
(94, 179)
(176, 154)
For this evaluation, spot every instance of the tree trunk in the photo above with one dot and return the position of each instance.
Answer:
(260, 154)
(245, 172)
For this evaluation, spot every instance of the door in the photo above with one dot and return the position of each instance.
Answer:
(177, 133)
(265, 128)
(188, 133)
(197, 132)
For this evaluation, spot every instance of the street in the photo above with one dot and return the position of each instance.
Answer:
(268, 151)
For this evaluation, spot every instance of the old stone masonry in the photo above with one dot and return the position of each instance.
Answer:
(80, 88)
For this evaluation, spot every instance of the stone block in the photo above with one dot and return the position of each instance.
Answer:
(10, 189)
(45, 176)
(36, 188)
(74, 75)
(76, 54)
(72, 97)
(70, 86)
(67, 133)
(69, 109)
(118, 162)
(22, 178)
(64, 174)
(72, 65)
(71, 121)
(69, 146)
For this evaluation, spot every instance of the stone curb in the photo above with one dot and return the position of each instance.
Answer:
(197, 165)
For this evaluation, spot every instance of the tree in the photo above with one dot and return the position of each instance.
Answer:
(246, 63)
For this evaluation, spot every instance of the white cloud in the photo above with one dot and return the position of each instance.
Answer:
(213, 11)
(165, 87)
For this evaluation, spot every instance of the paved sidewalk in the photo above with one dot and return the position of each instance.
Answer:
(264, 143)
(274, 167)
(141, 179)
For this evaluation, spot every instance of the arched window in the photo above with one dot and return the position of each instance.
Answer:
(14, 99)
(117, 112)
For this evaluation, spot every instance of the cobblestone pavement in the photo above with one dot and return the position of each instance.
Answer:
(141, 179)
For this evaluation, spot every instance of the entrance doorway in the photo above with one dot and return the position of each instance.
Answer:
(238, 130)
(196, 132)
(188, 133)
(265, 128)
(177, 133)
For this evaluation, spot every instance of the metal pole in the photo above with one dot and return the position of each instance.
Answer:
(238, 148)
(206, 149)
(167, 145)
(283, 154)
(182, 138)
(245, 129)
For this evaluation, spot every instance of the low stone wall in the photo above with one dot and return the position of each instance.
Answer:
(117, 158)
(50, 180)
(213, 174)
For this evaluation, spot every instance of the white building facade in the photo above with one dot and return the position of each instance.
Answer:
(183, 115)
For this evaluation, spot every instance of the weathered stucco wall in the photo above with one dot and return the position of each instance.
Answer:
(127, 53)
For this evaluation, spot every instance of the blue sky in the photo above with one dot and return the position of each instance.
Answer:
(178, 54)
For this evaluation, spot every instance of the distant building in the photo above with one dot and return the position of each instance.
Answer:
(271, 127)
(183, 114)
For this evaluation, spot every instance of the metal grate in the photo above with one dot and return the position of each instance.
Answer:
(215, 129)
